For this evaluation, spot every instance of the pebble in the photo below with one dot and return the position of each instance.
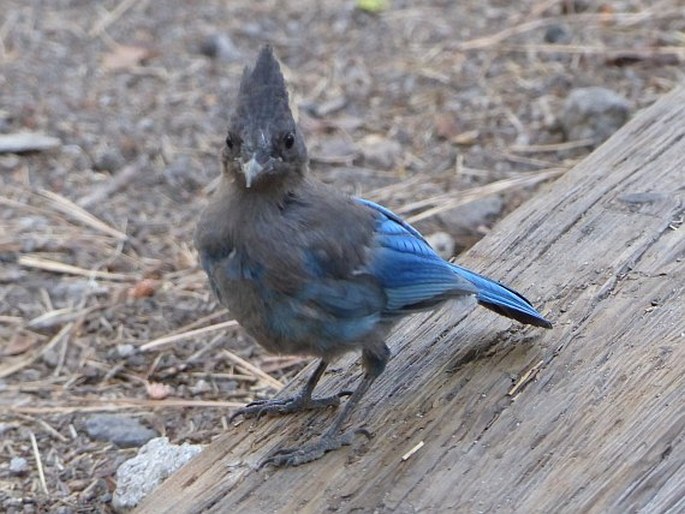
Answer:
(121, 430)
(51, 357)
(18, 466)
(220, 46)
(139, 476)
(593, 113)
(380, 152)
(442, 243)
(558, 34)
(71, 291)
(109, 159)
(470, 218)
(200, 387)
(125, 350)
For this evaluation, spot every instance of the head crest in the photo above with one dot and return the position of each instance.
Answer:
(263, 96)
(265, 74)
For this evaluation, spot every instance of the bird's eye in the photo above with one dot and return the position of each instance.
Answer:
(229, 142)
(289, 140)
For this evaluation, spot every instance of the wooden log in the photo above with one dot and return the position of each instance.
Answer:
(587, 417)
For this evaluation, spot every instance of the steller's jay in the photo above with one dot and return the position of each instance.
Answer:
(306, 269)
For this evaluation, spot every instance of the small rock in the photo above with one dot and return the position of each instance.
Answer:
(252, 29)
(139, 476)
(473, 214)
(71, 291)
(201, 386)
(10, 275)
(109, 159)
(558, 34)
(145, 124)
(125, 350)
(328, 107)
(51, 356)
(229, 386)
(593, 113)
(442, 243)
(121, 430)
(380, 152)
(32, 223)
(18, 466)
(466, 221)
(220, 46)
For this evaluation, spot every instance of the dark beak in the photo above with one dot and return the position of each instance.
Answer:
(252, 168)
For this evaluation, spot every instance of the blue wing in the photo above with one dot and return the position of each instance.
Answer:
(411, 274)
(414, 277)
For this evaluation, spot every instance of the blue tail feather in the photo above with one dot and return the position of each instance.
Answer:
(414, 277)
(502, 299)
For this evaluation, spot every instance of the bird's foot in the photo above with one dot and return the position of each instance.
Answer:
(288, 405)
(312, 451)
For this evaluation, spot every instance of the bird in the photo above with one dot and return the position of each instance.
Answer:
(308, 270)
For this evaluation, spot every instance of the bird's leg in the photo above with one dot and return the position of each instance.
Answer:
(302, 401)
(334, 437)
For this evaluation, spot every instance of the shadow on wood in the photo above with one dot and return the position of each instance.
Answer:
(587, 417)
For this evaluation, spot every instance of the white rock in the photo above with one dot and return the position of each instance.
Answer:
(139, 476)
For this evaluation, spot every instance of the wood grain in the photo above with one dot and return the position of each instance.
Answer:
(596, 425)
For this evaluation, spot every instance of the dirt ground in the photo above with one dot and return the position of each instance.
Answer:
(421, 108)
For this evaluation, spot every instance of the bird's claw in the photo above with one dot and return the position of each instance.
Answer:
(258, 408)
(306, 453)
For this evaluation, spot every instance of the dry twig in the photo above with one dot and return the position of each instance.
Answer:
(39, 463)
(156, 344)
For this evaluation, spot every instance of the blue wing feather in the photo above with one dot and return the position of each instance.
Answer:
(414, 277)
(387, 213)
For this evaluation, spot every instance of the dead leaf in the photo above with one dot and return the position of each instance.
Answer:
(125, 56)
(158, 391)
(143, 289)
(20, 343)
(446, 125)
(470, 137)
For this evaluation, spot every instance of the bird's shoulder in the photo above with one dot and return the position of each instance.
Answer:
(311, 231)
(330, 230)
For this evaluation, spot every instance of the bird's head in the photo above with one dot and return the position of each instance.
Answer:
(264, 146)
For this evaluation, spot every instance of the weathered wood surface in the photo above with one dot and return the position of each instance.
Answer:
(601, 428)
